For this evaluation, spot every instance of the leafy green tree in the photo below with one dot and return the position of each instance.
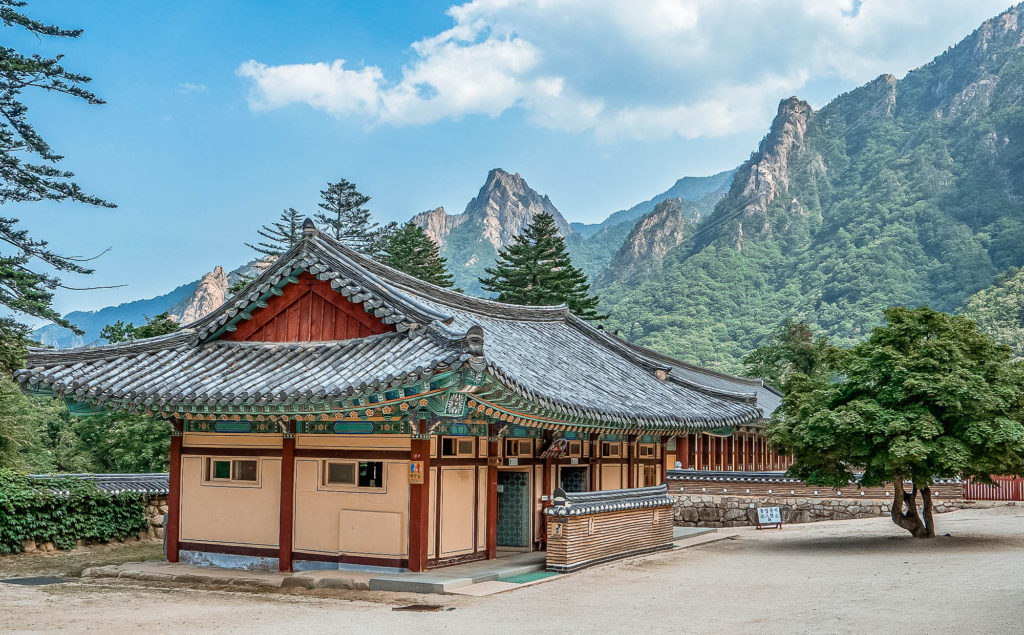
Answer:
(535, 269)
(927, 395)
(791, 349)
(119, 442)
(412, 251)
(346, 219)
(28, 169)
(23, 427)
(158, 325)
(280, 236)
(13, 344)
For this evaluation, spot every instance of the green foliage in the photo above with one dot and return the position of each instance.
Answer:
(410, 250)
(13, 343)
(909, 195)
(535, 269)
(24, 426)
(238, 285)
(157, 325)
(927, 395)
(345, 218)
(999, 310)
(27, 169)
(792, 349)
(118, 442)
(280, 236)
(64, 511)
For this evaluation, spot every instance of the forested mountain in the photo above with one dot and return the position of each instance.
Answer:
(903, 191)
(999, 309)
(702, 191)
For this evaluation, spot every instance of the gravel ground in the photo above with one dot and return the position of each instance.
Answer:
(855, 576)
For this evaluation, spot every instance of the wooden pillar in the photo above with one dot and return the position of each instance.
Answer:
(284, 534)
(735, 447)
(595, 462)
(174, 494)
(419, 500)
(631, 478)
(665, 467)
(492, 494)
(683, 450)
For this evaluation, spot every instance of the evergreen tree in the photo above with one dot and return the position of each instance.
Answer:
(346, 218)
(535, 269)
(409, 249)
(158, 325)
(28, 172)
(281, 236)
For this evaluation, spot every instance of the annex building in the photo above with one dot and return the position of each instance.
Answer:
(340, 413)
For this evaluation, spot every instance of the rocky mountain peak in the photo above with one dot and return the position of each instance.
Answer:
(210, 292)
(437, 223)
(766, 175)
(650, 239)
(506, 204)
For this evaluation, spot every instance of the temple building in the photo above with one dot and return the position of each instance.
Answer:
(339, 413)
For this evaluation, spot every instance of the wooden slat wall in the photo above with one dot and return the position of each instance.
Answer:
(616, 534)
(308, 311)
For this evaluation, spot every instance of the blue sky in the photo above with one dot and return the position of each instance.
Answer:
(220, 114)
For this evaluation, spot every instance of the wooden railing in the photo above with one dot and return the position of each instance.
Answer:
(1007, 488)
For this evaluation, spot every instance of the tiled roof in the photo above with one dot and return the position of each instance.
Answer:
(541, 355)
(180, 370)
(583, 503)
(147, 483)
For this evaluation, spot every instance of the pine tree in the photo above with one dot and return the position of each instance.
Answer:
(345, 217)
(410, 250)
(28, 169)
(281, 236)
(535, 269)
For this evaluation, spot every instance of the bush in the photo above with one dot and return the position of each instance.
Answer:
(63, 511)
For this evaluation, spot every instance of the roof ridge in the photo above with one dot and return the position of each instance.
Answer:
(469, 303)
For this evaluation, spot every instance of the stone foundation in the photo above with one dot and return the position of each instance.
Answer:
(155, 511)
(739, 511)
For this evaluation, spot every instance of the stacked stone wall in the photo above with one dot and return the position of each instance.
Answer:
(696, 510)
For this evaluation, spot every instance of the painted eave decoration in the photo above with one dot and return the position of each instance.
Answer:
(339, 342)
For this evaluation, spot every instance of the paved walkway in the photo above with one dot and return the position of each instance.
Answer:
(483, 577)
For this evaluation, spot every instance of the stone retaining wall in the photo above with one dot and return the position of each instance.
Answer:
(738, 511)
(155, 510)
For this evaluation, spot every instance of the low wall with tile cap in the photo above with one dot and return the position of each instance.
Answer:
(594, 527)
(696, 510)
(775, 484)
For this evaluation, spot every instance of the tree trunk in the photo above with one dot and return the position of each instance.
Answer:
(908, 520)
(926, 511)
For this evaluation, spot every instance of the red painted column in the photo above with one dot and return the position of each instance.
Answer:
(735, 447)
(492, 497)
(595, 462)
(631, 461)
(683, 450)
(665, 467)
(284, 535)
(419, 502)
(174, 494)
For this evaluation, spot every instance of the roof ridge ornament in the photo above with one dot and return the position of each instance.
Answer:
(309, 229)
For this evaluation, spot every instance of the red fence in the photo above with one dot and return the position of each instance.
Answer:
(1007, 488)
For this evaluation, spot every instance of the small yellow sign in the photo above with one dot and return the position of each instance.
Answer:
(416, 472)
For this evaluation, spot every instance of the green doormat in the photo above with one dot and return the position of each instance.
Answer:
(523, 578)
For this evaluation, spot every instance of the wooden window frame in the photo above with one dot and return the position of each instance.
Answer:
(646, 451)
(607, 445)
(520, 445)
(575, 448)
(325, 470)
(232, 480)
(456, 442)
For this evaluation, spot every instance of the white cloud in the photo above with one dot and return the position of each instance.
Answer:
(640, 69)
(189, 88)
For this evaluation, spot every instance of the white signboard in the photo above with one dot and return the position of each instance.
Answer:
(769, 516)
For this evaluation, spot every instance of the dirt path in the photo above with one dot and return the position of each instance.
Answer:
(850, 576)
